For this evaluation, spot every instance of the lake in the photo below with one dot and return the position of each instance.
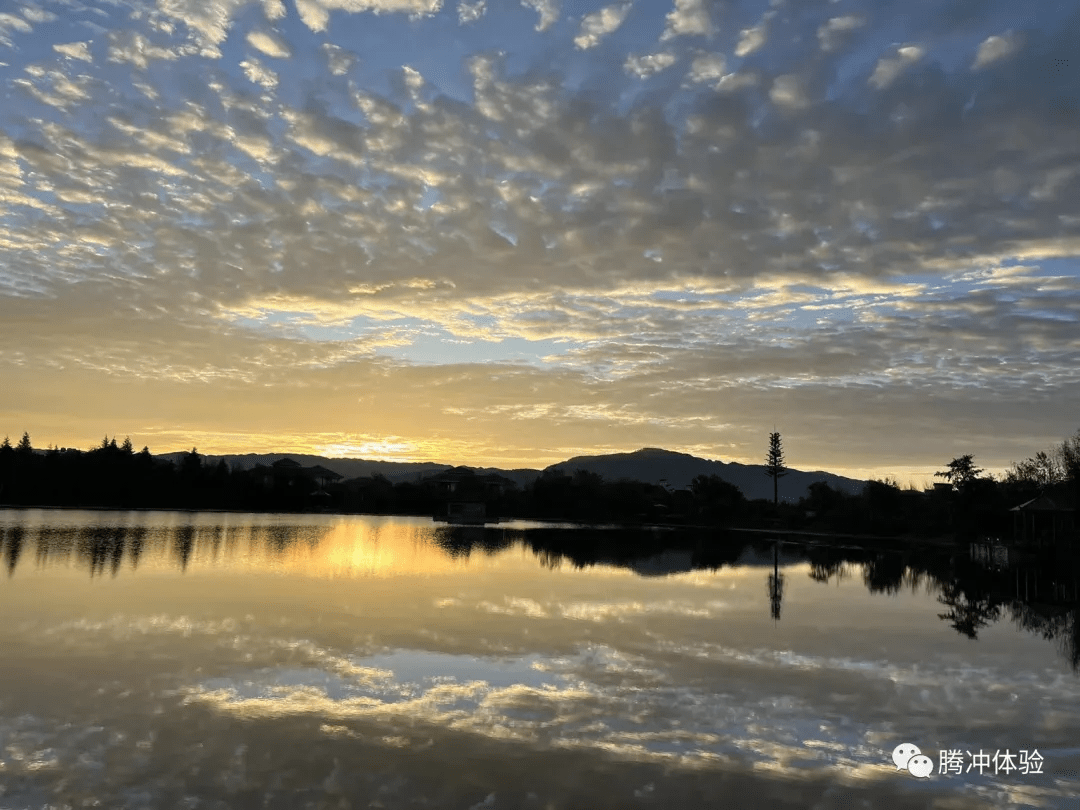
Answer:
(210, 660)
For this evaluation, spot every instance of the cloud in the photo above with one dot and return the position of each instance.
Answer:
(208, 21)
(338, 59)
(268, 44)
(689, 18)
(548, 11)
(75, 50)
(560, 255)
(707, 67)
(13, 22)
(133, 48)
(36, 14)
(649, 64)
(315, 14)
(258, 73)
(599, 24)
(832, 34)
(273, 9)
(995, 48)
(52, 87)
(889, 67)
(471, 12)
(753, 39)
(789, 92)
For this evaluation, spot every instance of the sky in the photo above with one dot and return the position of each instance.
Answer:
(508, 233)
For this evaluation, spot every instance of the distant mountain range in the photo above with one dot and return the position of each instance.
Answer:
(677, 470)
(650, 464)
(395, 471)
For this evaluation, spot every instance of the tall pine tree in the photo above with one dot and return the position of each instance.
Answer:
(774, 465)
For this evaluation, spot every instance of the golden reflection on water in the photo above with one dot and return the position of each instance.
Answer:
(362, 549)
(313, 546)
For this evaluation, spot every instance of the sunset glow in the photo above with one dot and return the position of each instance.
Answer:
(508, 233)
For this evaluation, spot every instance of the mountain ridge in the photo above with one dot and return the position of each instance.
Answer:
(654, 465)
(678, 470)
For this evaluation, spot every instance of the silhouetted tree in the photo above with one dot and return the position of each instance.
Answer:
(7, 461)
(126, 446)
(220, 480)
(24, 447)
(717, 499)
(885, 505)
(1036, 474)
(961, 471)
(774, 464)
(1069, 452)
(191, 468)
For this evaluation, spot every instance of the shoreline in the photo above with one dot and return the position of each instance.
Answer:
(785, 535)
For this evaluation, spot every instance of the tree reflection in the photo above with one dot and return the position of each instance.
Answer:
(827, 562)
(135, 545)
(776, 595)
(967, 615)
(976, 586)
(1061, 625)
(776, 586)
(103, 547)
(975, 597)
(1070, 640)
(460, 541)
(117, 555)
(13, 547)
(184, 543)
(824, 571)
(884, 572)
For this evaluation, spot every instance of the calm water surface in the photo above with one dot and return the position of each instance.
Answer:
(171, 660)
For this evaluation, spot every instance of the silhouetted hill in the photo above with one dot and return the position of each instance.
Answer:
(394, 471)
(650, 464)
(677, 470)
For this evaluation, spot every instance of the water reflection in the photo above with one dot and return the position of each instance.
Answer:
(978, 589)
(776, 585)
(217, 660)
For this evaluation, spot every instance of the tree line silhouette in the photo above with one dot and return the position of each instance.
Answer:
(967, 502)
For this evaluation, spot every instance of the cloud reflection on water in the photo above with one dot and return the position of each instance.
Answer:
(361, 642)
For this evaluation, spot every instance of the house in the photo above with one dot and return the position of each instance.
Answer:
(323, 477)
(449, 481)
(461, 480)
(300, 487)
(289, 473)
(360, 493)
(282, 471)
(1042, 518)
(466, 496)
(464, 512)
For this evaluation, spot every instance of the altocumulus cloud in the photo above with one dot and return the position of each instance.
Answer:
(652, 224)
